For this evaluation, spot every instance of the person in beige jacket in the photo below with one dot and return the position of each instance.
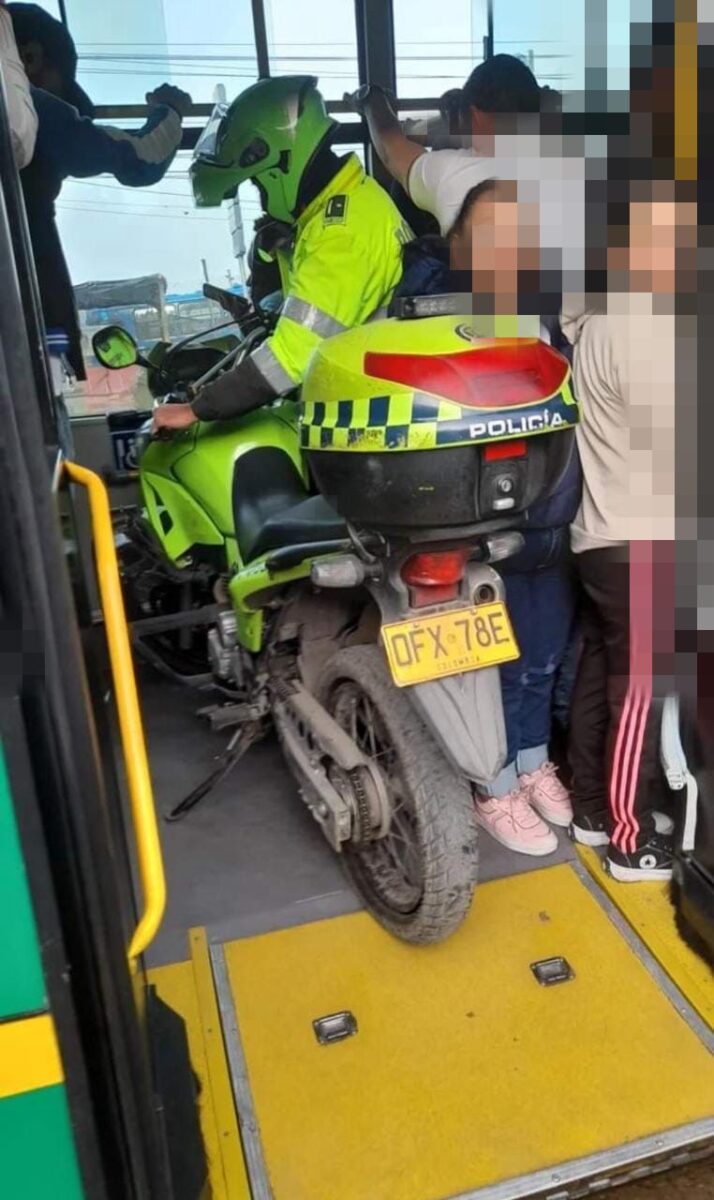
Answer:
(18, 99)
(623, 537)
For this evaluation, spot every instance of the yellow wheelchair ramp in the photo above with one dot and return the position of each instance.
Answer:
(460, 1070)
(648, 910)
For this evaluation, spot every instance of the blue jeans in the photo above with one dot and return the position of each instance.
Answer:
(565, 678)
(540, 592)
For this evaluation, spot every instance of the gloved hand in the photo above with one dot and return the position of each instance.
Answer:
(172, 96)
(271, 235)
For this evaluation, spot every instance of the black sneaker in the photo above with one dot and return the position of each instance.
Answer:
(651, 861)
(590, 830)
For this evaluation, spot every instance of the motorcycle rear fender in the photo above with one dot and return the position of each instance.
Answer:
(464, 713)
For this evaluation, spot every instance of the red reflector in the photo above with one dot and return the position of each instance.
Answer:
(499, 450)
(521, 371)
(427, 597)
(435, 570)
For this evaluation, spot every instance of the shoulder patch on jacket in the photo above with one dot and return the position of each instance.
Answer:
(336, 210)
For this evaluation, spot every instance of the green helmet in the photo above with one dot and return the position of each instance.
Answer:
(270, 134)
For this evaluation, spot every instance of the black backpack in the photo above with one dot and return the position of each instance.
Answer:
(560, 508)
(425, 269)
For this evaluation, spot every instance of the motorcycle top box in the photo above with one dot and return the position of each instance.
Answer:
(470, 411)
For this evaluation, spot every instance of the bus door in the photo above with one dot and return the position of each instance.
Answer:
(111, 1057)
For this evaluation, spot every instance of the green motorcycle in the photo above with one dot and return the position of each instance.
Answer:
(341, 545)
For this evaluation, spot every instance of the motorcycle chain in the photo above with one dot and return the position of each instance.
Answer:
(363, 815)
(363, 829)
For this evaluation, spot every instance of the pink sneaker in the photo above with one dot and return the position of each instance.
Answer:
(548, 796)
(512, 822)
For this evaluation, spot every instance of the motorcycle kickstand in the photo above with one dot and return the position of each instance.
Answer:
(241, 741)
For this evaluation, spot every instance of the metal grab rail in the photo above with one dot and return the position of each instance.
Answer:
(143, 811)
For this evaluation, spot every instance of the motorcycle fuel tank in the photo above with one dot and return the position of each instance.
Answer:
(187, 482)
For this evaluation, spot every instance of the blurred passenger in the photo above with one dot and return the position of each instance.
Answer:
(21, 113)
(495, 242)
(499, 92)
(492, 126)
(623, 535)
(70, 144)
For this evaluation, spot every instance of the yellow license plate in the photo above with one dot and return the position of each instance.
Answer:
(449, 643)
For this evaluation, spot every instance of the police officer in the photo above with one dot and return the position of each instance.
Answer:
(345, 261)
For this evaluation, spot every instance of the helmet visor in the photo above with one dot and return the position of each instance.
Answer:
(207, 145)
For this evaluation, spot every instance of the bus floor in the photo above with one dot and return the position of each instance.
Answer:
(249, 858)
(691, 1183)
(436, 1095)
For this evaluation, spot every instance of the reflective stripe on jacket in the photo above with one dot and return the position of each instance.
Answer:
(345, 265)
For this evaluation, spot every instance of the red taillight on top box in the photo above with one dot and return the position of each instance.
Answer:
(497, 451)
(491, 377)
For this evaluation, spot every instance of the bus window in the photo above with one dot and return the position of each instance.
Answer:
(137, 233)
(127, 48)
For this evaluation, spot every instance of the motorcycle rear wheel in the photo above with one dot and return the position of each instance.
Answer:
(417, 881)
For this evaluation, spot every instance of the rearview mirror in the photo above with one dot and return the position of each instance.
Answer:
(115, 348)
(236, 306)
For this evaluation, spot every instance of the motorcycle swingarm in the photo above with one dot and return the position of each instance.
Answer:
(310, 735)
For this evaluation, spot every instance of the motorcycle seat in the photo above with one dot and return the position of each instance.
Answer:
(311, 520)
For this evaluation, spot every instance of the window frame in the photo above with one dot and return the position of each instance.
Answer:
(376, 63)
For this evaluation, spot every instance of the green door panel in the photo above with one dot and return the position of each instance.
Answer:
(22, 985)
(37, 1159)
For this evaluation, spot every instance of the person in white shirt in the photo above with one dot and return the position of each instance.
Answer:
(18, 99)
(498, 94)
(498, 131)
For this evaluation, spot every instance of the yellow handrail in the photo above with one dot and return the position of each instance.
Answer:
(143, 811)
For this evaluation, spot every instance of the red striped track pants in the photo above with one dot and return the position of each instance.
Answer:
(628, 626)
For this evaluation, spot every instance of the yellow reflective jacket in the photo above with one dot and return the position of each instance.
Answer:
(345, 265)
